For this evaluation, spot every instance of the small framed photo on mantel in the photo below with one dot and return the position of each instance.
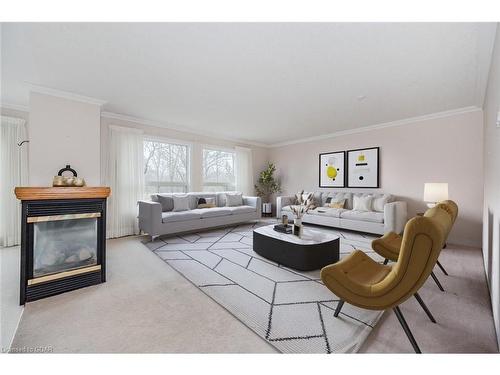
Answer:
(363, 168)
(332, 170)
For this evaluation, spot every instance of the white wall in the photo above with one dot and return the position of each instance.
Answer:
(445, 149)
(63, 131)
(491, 227)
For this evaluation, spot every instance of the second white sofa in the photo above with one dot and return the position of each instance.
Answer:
(391, 217)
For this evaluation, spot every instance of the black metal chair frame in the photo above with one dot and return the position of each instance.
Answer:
(401, 319)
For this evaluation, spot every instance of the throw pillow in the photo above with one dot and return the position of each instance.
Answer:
(206, 202)
(167, 202)
(339, 204)
(380, 201)
(363, 203)
(233, 200)
(181, 203)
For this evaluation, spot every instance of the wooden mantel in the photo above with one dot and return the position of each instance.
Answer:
(44, 193)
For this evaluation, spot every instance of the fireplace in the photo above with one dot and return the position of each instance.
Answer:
(63, 240)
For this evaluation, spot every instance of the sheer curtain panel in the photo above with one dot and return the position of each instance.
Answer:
(125, 176)
(244, 170)
(13, 172)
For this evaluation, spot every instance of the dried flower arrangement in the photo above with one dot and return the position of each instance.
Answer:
(303, 206)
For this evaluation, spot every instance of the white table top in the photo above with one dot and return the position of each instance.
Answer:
(309, 237)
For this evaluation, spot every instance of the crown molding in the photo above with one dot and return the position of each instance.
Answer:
(407, 121)
(157, 124)
(66, 95)
(15, 107)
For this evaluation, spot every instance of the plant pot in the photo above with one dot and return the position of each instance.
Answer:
(267, 208)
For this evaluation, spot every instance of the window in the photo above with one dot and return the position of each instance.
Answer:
(166, 167)
(218, 170)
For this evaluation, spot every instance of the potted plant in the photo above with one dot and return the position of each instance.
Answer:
(267, 185)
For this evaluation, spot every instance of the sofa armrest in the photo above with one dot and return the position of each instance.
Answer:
(150, 217)
(255, 202)
(395, 216)
(285, 200)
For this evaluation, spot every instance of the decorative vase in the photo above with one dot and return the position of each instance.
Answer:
(297, 227)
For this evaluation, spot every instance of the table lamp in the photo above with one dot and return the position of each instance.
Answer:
(435, 192)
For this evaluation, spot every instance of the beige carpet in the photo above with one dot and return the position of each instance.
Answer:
(146, 306)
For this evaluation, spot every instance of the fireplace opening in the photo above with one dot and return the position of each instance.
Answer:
(63, 243)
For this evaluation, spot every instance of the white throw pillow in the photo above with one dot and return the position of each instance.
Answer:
(363, 203)
(181, 203)
(380, 201)
(233, 200)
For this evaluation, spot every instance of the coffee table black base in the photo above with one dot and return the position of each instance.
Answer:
(296, 256)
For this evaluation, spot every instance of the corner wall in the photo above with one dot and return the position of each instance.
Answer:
(491, 227)
(10, 259)
(447, 149)
(63, 131)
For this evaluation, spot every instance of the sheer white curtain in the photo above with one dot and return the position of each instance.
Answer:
(244, 170)
(13, 172)
(125, 176)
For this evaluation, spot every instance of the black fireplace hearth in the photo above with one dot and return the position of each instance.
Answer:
(63, 244)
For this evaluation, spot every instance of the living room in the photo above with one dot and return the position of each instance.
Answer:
(273, 187)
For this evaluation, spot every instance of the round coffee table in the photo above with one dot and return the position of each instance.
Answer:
(313, 250)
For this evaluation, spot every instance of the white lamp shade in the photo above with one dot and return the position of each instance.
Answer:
(435, 191)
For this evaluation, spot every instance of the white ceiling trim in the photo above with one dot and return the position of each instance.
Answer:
(407, 121)
(15, 107)
(66, 95)
(157, 124)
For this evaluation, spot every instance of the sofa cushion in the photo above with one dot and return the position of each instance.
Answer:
(221, 197)
(181, 202)
(379, 201)
(324, 211)
(166, 201)
(362, 203)
(286, 208)
(171, 217)
(372, 216)
(213, 212)
(338, 196)
(234, 199)
(241, 209)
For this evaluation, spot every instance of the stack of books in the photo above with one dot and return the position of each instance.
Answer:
(283, 228)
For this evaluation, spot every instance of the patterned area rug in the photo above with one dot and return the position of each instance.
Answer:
(290, 309)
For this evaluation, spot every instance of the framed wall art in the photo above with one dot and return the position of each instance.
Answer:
(363, 168)
(332, 170)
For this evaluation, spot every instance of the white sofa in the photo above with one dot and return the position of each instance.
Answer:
(392, 219)
(157, 218)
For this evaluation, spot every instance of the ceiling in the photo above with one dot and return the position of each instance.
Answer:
(265, 83)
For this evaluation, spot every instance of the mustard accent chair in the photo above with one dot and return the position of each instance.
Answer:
(389, 245)
(362, 282)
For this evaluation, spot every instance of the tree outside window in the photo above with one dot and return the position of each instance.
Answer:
(165, 167)
(218, 170)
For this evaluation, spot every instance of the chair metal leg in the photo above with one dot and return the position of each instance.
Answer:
(339, 307)
(442, 268)
(437, 282)
(386, 261)
(427, 311)
(403, 323)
